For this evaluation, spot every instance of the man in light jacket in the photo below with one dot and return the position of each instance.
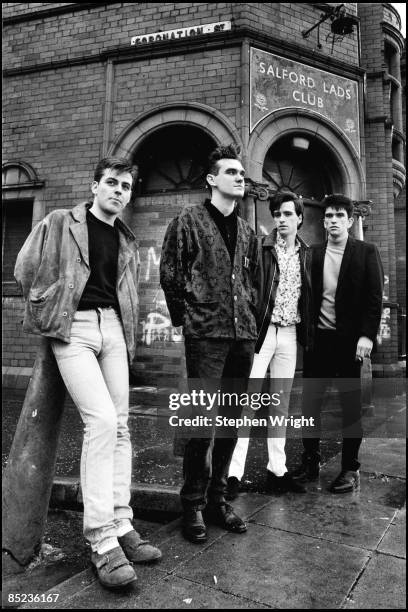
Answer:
(78, 271)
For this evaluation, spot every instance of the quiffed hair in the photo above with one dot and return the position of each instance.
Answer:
(230, 151)
(120, 164)
(281, 197)
(337, 201)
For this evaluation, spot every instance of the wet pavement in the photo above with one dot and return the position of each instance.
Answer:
(312, 551)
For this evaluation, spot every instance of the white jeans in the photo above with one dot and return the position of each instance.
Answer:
(94, 368)
(278, 350)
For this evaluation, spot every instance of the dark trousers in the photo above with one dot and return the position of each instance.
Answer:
(333, 357)
(225, 364)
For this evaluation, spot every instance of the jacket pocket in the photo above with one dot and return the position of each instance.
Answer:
(44, 305)
(37, 297)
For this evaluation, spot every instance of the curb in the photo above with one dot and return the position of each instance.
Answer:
(145, 498)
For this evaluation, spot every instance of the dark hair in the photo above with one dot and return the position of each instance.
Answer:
(281, 197)
(337, 201)
(230, 151)
(120, 164)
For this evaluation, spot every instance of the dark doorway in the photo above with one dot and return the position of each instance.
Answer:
(304, 165)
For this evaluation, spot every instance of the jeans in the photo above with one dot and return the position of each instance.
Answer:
(331, 357)
(206, 460)
(279, 350)
(94, 368)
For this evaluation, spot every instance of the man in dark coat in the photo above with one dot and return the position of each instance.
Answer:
(207, 267)
(347, 287)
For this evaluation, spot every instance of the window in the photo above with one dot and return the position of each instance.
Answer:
(17, 220)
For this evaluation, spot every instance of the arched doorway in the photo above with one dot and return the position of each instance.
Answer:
(305, 165)
(172, 167)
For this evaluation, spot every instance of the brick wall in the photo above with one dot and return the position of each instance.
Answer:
(381, 224)
(93, 30)
(160, 345)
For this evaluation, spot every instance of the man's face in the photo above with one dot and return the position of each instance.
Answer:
(229, 181)
(286, 219)
(337, 222)
(112, 192)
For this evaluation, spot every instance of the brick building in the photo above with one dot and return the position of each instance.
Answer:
(312, 94)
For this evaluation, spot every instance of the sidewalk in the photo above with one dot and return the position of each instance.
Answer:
(310, 551)
(313, 551)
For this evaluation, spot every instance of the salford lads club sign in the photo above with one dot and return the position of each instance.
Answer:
(277, 83)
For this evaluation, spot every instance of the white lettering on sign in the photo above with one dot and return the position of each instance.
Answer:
(190, 32)
(278, 82)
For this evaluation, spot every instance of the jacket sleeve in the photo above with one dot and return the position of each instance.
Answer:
(172, 270)
(29, 258)
(373, 293)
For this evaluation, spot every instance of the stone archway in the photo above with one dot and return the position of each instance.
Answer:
(307, 122)
(211, 121)
(160, 355)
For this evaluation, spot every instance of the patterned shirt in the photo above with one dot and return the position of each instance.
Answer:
(286, 308)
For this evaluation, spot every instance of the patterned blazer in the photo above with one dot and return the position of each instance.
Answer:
(206, 292)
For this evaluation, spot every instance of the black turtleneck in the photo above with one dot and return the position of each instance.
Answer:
(226, 225)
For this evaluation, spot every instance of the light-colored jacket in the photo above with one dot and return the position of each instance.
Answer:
(52, 270)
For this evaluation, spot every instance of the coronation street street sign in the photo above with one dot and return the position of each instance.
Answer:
(189, 32)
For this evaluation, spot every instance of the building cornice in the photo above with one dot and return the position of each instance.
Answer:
(124, 53)
(68, 7)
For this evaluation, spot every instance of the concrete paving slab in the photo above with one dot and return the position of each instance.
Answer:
(394, 541)
(381, 586)
(281, 569)
(376, 487)
(170, 592)
(343, 519)
(384, 456)
(85, 592)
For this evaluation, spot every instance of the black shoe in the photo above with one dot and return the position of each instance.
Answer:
(232, 488)
(346, 481)
(283, 484)
(224, 516)
(193, 526)
(306, 472)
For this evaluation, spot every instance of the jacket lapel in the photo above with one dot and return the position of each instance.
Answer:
(125, 255)
(317, 271)
(80, 234)
(347, 256)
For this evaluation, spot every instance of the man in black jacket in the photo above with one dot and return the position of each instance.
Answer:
(207, 267)
(283, 318)
(347, 287)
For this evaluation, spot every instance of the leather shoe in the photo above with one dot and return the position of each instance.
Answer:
(224, 516)
(306, 472)
(193, 526)
(283, 484)
(346, 481)
(138, 550)
(232, 488)
(113, 569)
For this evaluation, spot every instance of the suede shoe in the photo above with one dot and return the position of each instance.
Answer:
(193, 526)
(138, 550)
(232, 488)
(224, 516)
(283, 484)
(113, 569)
(346, 481)
(308, 471)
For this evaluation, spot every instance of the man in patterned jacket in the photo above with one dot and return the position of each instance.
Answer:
(208, 263)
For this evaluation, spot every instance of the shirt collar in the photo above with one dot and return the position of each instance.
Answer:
(281, 244)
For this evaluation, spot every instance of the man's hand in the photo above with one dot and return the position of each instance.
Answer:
(364, 347)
